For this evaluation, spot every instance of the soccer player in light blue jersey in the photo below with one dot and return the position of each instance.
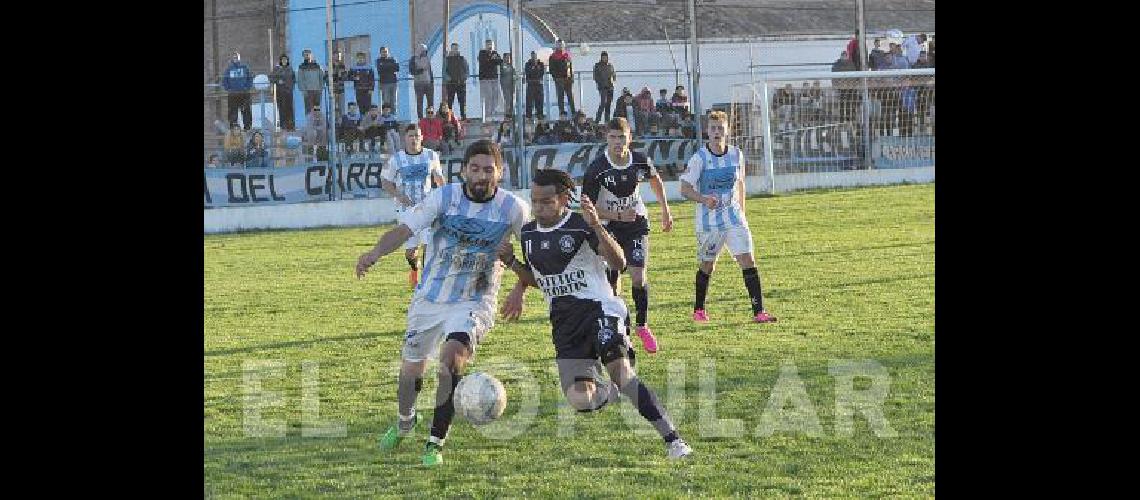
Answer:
(454, 302)
(715, 180)
(408, 177)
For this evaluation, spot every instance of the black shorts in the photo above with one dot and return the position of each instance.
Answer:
(583, 331)
(633, 237)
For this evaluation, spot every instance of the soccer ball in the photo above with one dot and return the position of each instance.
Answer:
(480, 398)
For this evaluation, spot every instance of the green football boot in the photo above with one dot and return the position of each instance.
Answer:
(394, 435)
(433, 454)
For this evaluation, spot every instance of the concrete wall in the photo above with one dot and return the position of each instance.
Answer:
(382, 211)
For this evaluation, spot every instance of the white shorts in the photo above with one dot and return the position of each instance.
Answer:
(429, 323)
(417, 239)
(710, 243)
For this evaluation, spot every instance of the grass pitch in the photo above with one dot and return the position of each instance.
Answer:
(849, 274)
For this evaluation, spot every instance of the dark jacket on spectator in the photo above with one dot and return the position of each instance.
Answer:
(256, 157)
(309, 76)
(283, 77)
(534, 70)
(340, 74)
(363, 76)
(351, 120)
(489, 62)
(421, 70)
(561, 66)
(620, 106)
(455, 69)
(604, 76)
(237, 77)
(386, 69)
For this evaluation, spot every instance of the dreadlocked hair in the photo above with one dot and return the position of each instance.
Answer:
(561, 181)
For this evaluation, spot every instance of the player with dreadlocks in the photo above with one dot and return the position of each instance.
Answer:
(565, 254)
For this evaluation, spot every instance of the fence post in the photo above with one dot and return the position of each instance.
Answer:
(766, 123)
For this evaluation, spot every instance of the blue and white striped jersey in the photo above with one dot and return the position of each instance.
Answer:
(461, 255)
(412, 173)
(709, 173)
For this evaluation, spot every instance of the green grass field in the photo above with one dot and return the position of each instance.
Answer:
(849, 273)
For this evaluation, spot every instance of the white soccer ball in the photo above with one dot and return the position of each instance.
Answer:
(480, 398)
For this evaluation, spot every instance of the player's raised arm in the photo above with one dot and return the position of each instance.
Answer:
(609, 248)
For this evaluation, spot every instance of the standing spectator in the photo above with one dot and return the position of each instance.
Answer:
(340, 74)
(624, 106)
(896, 59)
(507, 82)
(256, 156)
(643, 109)
(234, 145)
(604, 79)
(505, 138)
(310, 80)
(908, 96)
(912, 46)
(680, 100)
(213, 163)
(930, 51)
(784, 103)
(348, 131)
(386, 68)
(283, 79)
(853, 50)
(432, 127)
(924, 88)
(420, 68)
(489, 91)
(562, 71)
(237, 81)
(534, 70)
(364, 80)
(455, 80)
(877, 56)
(843, 87)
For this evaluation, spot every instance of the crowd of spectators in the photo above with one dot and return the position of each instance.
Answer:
(368, 125)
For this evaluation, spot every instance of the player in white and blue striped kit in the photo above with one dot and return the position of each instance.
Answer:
(715, 180)
(454, 302)
(408, 177)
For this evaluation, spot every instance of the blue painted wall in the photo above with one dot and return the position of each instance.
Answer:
(385, 21)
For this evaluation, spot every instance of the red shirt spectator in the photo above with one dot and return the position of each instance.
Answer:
(431, 126)
(853, 51)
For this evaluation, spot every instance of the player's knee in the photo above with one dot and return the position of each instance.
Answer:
(708, 266)
(581, 395)
(745, 260)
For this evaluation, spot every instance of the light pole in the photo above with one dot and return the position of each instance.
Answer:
(261, 84)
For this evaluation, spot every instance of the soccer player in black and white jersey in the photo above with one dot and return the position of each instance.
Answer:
(565, 254)
(611, 183)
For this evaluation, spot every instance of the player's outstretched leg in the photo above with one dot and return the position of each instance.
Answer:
(414, 274)
(409, 385)
(704, 272)
(452, 361)
(583, 384)
(647, 405)
(640, 289)
(752, 282)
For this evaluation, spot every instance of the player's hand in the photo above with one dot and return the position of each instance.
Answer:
(365, 262)
(666, 221)
(589, 212)
(710, 201)
(512, 307)
(506, 250)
